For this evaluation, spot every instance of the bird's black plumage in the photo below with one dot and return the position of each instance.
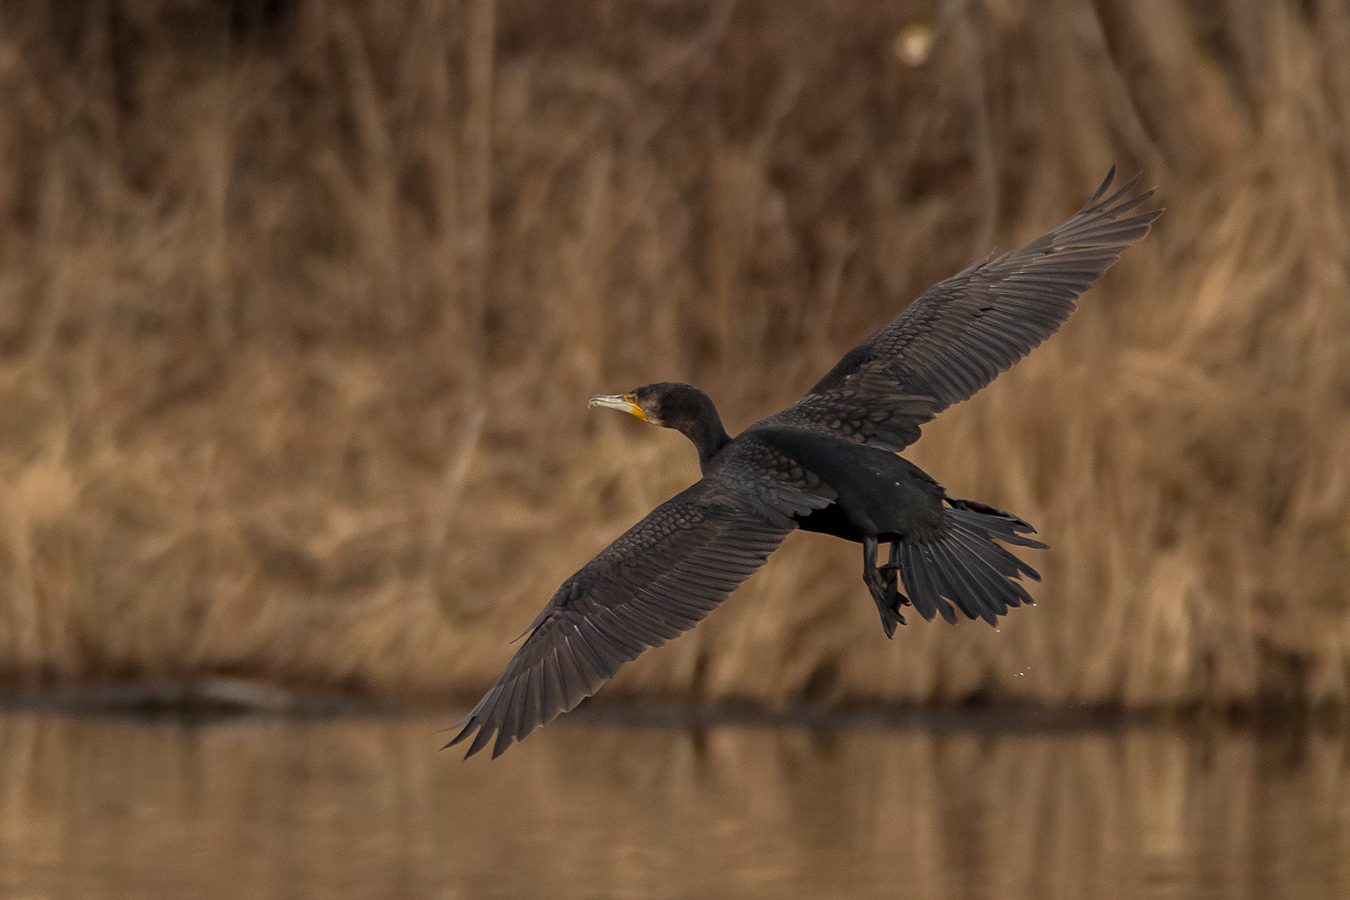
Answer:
(827, 464)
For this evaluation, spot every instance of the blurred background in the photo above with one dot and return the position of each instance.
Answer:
(300, 305)
(301, 302)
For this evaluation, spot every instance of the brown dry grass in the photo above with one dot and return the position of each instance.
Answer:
(300, 304)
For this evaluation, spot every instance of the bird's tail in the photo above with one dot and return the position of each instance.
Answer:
(965, 565)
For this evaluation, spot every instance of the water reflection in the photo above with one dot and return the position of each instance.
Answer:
(368, 807)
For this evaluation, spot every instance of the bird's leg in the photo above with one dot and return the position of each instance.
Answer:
(891, 571)
(882, 585)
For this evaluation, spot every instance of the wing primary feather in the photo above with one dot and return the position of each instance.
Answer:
(532, 709)
(490, 720)
(604, 655)
(585, 660)
(506, 717)
(555, 690)
(581, 684)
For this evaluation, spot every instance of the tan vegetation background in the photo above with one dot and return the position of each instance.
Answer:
(300, 304)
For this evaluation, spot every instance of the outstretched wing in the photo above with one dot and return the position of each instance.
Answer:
(958, 335)
(655, 582)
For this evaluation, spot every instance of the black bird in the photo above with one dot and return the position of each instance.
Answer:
(828, 464)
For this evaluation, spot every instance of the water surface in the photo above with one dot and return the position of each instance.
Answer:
(368, 807)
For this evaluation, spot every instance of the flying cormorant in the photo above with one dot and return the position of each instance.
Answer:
(829, 464)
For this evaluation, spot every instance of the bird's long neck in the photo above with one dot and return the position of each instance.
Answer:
(705, 431)
(709, 440)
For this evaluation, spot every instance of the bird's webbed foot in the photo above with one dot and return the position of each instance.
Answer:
(883, 584)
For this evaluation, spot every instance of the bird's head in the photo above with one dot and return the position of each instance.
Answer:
(673, 405)
(665, 403)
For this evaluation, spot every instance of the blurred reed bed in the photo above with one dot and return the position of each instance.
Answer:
(300, 304)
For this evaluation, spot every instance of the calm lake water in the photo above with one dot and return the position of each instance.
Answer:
(368, 807)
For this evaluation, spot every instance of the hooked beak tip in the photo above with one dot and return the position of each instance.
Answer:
(621, 402)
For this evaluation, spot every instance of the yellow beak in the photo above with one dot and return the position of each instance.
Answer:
(621, 402)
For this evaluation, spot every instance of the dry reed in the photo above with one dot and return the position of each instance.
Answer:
(300, 304)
